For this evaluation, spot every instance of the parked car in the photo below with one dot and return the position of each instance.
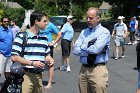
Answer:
(58, 20)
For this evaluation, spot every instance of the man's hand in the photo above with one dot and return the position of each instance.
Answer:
(112, 35)
(48, 87)
(50, 60)
(38, 64)
(51, 44)
(124, 36)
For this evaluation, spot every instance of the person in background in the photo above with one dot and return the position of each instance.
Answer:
(49, 30)
(6, 40)
(36, 53)
(136, 27)
(120, 32)
(138, 66)
(93, 45)
(132, 31)
(67, 37)
(14, 27)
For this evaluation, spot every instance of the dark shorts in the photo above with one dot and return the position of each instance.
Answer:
(132, 36)
(66, 47)
(51, 51)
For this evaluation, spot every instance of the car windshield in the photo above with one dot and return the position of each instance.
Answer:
(58, 21)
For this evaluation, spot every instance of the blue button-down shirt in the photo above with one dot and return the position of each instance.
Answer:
(102, 36)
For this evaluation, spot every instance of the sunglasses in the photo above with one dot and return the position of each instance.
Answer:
(5, 21)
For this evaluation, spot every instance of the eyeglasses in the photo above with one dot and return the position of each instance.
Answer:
(5, 21)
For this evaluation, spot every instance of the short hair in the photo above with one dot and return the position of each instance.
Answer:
(98, 12)
(4, 17)
(14, 21)
(36, 15)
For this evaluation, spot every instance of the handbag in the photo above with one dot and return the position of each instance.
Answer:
(14, 81)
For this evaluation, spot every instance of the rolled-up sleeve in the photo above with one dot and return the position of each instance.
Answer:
(78, 47)
(99, 44)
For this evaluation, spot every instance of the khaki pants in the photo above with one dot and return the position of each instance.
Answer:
(93, 79)
(32, 83)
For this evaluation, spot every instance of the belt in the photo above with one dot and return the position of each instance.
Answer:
(93, 65)
(119, 35)
(32, 71)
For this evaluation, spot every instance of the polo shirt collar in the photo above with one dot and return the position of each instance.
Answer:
(30, 34)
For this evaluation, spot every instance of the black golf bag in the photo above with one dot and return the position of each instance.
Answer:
(13, 83)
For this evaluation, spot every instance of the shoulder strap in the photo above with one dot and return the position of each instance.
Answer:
(25, 39)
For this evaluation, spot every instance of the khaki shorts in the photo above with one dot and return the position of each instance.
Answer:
(119, 41)
(5, 63)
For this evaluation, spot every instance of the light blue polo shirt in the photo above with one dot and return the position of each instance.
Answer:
(67, 31)
(120, 28)
(50, 28)
(6, 39)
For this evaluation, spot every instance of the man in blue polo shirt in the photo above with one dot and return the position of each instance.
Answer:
(49, 31)
(6, 39)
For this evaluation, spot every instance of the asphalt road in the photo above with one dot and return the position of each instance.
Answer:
(122, 77)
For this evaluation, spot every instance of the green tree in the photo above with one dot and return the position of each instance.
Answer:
(13, 13)
(129, 8)
(60, 7)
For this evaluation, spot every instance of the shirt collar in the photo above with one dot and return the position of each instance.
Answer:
(94, 29)
(4, 29)
(30, 34)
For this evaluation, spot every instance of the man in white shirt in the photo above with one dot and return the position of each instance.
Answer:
(120, 32)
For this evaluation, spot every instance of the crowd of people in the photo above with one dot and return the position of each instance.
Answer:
(92, 45)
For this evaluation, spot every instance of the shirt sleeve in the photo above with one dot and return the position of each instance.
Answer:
(125, 27)
(64, 28)
(99, 44)
(17, 45)
(77, 46)
(54, 29)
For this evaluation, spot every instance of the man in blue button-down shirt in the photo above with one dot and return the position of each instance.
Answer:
(93, 76)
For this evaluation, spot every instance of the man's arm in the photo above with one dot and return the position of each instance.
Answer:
(38, 64)
(136, 25)
(16, 58)
(77, 46)
(57, 32)
(58, 37)
(125, 32)
(99, 44)
(113, 33)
